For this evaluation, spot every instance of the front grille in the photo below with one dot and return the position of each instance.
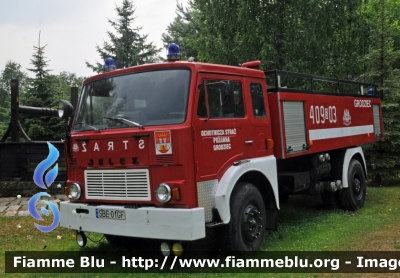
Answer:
(118, 184)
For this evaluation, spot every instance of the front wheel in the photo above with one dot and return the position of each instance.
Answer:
(353, 197)
(246, 229)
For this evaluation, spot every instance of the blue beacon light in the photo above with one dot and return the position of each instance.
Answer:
(370, 91)
(173, 52)
(109, 64)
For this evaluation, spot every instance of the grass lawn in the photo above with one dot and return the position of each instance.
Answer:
(303, 226)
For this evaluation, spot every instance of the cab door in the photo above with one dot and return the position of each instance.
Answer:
(221, 137)
(260, 119)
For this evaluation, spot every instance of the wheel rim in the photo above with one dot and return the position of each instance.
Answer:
(251, 224)
(357, 187)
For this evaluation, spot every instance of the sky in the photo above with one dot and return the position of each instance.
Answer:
(71, 29)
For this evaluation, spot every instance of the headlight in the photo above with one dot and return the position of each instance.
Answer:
(74, 191)
(163, 193)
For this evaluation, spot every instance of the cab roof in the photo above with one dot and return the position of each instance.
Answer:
(194, 66)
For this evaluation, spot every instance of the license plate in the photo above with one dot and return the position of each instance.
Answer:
(110, 214)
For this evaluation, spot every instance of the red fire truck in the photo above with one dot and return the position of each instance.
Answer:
(168, 150)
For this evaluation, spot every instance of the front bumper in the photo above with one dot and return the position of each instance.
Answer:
(145, 222)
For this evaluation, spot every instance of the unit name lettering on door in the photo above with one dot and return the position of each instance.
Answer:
(221, 138)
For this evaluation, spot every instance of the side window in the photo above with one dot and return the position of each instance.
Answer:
(212, 99)
(257, 100)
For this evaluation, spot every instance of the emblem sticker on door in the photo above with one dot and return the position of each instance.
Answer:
(163, 142)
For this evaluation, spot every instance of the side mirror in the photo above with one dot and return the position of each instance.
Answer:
(229, 98)
(65, 109)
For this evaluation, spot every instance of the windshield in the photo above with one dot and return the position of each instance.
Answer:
(134, 100)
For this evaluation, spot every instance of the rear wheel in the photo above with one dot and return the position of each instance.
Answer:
(246, 229)
(353, 197)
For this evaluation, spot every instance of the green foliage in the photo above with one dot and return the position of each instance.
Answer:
(333, 34)
(183, 31)
(66, 80)
(127, 47)
(42, 91)
(348, 39)
(382, 60)
(11, 71)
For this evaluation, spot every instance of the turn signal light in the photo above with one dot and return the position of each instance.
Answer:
(177, 249)
(176, 194)
(269, 143)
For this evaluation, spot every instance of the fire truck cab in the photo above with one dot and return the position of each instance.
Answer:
(167, 150)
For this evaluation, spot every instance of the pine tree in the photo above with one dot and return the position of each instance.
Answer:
(127, 47)
(382, 61)
(183, 31)
(42, 91)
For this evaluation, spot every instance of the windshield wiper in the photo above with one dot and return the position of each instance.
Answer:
(215, 112)
(124, 121)
(85, 124)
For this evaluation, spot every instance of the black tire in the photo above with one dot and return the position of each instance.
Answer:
(353, 197)
(246, 229)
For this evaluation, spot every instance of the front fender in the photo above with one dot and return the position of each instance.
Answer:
(264, 165)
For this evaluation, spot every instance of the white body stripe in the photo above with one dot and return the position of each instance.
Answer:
(328, 133)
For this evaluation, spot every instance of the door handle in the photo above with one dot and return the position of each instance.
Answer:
(249, 142)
